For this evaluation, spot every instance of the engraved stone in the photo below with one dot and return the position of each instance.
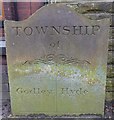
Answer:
(57, 62)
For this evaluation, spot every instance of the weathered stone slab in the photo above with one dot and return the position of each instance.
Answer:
(57, 62)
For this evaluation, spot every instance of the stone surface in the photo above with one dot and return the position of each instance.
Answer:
(57, 62)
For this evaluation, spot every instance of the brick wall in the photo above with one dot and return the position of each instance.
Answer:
(20, 10)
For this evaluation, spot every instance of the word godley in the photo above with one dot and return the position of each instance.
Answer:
(54, 30)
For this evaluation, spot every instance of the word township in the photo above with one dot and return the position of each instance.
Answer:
(56, 30)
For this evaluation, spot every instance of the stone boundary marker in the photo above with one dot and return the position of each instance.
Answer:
(102, 10)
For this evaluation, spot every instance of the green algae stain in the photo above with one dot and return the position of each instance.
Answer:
(84, 73)
(57, 84)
